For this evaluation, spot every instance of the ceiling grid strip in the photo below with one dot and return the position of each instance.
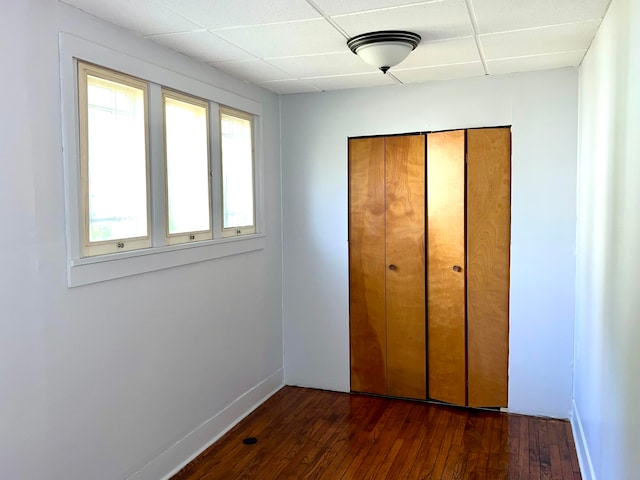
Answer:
(474, 25)
(338, 28)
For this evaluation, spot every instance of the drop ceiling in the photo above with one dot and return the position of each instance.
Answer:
(295, 46)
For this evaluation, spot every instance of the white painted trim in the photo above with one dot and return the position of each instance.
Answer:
(172, 460)
(584, 457)
(72, 46)
(84, 271)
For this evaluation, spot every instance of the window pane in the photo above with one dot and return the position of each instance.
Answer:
(187, 157)
(237, 171)
(117, 160)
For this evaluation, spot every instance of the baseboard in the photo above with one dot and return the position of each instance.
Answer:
(169, 462)
(584, 458)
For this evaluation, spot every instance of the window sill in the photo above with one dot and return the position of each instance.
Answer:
(84, 271)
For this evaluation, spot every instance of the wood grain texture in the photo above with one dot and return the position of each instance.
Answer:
(488, 240)
(405, 250)
(367, 320)
(446, 248)
(313, 434)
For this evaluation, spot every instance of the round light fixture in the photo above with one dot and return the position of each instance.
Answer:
(384, 49)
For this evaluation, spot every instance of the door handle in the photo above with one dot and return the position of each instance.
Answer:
(392, 267)
(457, 268)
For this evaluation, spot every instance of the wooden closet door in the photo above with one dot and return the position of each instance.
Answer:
(405, 266)
(446, 334)
(368, 331)
(488, 238)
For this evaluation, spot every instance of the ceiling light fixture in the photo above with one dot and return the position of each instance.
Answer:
(384, 49)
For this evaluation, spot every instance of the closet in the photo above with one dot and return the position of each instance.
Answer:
(429, 233)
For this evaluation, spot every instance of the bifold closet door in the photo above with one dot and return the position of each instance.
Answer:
(386, 266)
(488, 237)
(405, 273)
(367, 268)
(465, 316)
(446, 300)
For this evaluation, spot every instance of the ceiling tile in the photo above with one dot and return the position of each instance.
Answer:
(202, 45)
(322, 65)
(219, 14)
(286, 45)
(340, 7)
(287, 39)
(360, 80)
(285, 87)
(537, 41)
(443, 52)
(433, 21)
(501, 15)
(255, 71)
(536, 62)
(442, 72)
(145, 17)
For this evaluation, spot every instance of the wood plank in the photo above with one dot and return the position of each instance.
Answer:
(314, 434)
(354, 437)
(383, 471)
(545, 457)
(534, 451)
(523, 452)
(446, 333)
(476, 468)
(566, 447)
(406, 434)
(229, 453)
(488, 241)
(405, 251)
(568, 434)
(296, 425)
(383, 441)
(367, 322)
(425, 467)
(455, 465)
(370, 438)
(414, 442)
(514, 447)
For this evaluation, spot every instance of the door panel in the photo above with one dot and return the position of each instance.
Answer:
(405, 250)
(446, 334)
(488, 236)
(366, 266)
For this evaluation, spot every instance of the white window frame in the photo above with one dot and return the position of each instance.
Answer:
(199, 235)
(122, 244)
(86, 270)
(243, 229)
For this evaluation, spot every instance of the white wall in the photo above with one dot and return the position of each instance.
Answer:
(542, 107)
(98, 381)
(607, 354)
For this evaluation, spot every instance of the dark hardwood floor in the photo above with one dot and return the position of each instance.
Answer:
(313, 434)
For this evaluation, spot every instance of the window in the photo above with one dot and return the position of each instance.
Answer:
(113, 161)
(142, 153)
(238, 210)
(186, 139)
(114, 140)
